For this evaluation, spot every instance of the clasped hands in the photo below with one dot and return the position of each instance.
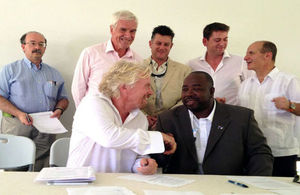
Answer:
(148, 166)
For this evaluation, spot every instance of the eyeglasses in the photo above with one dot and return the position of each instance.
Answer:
(33, 44)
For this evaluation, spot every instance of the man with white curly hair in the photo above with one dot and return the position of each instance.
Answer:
(94, 61)
(109, 130)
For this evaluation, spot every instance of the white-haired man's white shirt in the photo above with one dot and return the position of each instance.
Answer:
(100, 139)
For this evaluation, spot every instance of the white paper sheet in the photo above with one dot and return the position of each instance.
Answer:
(159, 180)
(266, 183)
(66, 175)
(45, 124)
(105, 190)
(160, 192)
(249, 194)
(287, 192)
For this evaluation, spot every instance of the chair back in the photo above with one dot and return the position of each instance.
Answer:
(16, 153)
(59, 152)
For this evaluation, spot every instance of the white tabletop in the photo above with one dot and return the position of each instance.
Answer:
(23, 183)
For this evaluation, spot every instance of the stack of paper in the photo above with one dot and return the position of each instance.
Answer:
(45, 124)
(66, 175)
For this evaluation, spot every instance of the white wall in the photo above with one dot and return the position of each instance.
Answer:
(72, 25)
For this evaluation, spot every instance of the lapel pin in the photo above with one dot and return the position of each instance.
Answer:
(220, 127)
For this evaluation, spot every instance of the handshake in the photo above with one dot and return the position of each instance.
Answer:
(169, 142)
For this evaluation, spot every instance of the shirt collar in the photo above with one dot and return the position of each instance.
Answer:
(161, 70)
(209, 117)
(225, 55)
(272, 74)
(110, 48)
(32, 65)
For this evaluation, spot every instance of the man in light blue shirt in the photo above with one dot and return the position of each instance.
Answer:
(28, 86)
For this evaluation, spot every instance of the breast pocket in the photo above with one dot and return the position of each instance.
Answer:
(244, 101)
(51, 89)
(269, 105)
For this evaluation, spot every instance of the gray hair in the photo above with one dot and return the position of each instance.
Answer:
(23, 38)
(122, 73)
(123, 15)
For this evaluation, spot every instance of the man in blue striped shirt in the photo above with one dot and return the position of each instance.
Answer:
(28, 86)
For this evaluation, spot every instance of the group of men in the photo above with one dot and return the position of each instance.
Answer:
(208, 134)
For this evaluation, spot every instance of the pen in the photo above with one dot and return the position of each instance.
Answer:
(237, 183)
(28, 119)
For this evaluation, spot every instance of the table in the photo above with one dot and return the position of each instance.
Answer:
(23, 183)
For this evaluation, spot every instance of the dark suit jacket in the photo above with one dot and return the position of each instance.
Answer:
(236, 146)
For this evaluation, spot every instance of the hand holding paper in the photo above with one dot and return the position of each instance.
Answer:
(45, 124)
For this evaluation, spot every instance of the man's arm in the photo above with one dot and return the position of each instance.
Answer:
(284, 104)
(80, 78)
(96, 119)
(60, 107)
(290, 101)
(9, 108)
(259, 154)
(161, 159)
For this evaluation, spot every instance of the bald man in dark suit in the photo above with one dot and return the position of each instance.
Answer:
(212, 138)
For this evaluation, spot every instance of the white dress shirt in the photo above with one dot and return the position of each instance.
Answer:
(100, 139)
(92, 64)
(228, 76)
(201, 129)
(276, 124)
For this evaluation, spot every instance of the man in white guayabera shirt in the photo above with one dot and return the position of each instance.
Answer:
(274, 96)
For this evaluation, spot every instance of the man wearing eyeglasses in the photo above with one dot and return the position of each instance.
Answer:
(29, 86)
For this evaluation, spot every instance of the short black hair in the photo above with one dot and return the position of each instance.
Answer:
(163, 30)
(23, 37)
(213, 27)
(268, 46)
(206, 75)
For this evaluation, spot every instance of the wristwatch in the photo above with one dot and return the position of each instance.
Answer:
(61, 109)
(292, 107)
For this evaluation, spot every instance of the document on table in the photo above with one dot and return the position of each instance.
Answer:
(159, 179)
(105, 190)
(66, 175)
(45, 124)
(266, 183)
(159, 192)
(249, 194)
(287, 192)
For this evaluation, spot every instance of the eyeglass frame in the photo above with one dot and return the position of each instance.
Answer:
(33, 44)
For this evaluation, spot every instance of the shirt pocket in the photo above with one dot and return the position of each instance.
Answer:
(269, 105)
(244, 101)
(51, 89)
